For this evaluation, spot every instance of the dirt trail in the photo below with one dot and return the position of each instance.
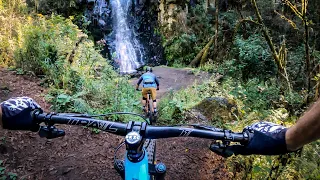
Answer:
(174, 78)
(82, 154)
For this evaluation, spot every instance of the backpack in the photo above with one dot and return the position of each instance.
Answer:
(147, 79)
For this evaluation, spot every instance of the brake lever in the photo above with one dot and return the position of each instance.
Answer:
(50, 132)
(222, 148)
(219, 148)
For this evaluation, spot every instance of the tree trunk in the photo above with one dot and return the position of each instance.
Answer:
(306, 31)
(207, 5)
(217, 29)
(195, 62)
(204, 57)
(303, 16)
(266, 34)
(275, 54)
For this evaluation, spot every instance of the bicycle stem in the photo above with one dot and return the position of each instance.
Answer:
(134, 140)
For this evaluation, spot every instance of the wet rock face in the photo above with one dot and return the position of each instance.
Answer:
(216, 109)
(173, 15)
(146, 25)
(98, 13)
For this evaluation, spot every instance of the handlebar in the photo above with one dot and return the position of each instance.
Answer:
(150, 132)
(108, 126)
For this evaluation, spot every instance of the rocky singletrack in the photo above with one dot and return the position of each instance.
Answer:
(82, 154)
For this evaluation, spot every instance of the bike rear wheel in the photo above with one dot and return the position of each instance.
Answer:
(151, 114)
(150, 103)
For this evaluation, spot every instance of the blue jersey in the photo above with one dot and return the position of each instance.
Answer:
(149, 80)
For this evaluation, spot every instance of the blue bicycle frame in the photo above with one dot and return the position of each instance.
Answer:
(136, 160)
(138, 165)
(138, 170)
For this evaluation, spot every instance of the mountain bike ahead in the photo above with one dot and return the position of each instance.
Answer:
(136, 164)
(149, 109)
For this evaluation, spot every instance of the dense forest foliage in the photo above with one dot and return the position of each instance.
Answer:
(266, 51)
(268, 54)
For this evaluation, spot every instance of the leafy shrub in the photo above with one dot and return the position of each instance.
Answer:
(11, 19)
(307, 165)
(80, 79)
(256, 94)
(250, 58)
(253, 58)
(6, 175)
(261, 96)
(228, 68)
(264, 101)
(229, 17)
(92, 86)
(181, 50)
(296, 67)
(46, 44)
(255, 100)
(173, 105)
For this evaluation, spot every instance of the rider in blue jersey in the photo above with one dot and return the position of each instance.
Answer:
(150, 83)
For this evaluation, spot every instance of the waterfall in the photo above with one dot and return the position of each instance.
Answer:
(127, 52)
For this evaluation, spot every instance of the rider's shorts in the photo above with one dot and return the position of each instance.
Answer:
(152, 90)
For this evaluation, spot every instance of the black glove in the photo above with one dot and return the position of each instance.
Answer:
(157, 88)
(16, 114)
(265, 138)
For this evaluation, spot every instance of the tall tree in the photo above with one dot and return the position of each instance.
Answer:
(302, 14)
(217, 28)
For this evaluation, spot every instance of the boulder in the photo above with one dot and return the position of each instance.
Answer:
(216, 109)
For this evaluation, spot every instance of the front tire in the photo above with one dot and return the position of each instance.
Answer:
(150, 147)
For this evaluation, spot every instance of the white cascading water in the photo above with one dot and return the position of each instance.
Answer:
(127, 48)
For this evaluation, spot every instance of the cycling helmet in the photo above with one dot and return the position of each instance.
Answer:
(148, 69)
